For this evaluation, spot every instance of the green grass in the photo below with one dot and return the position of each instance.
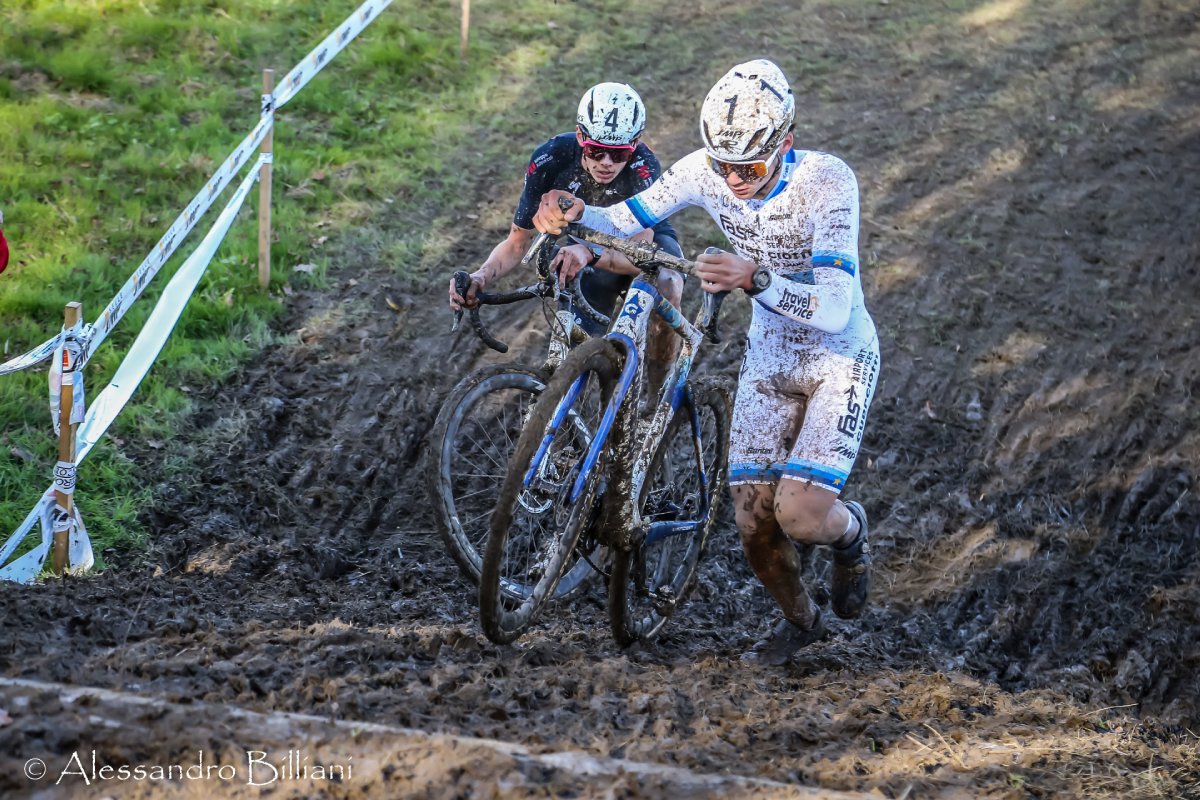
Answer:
(112, 116)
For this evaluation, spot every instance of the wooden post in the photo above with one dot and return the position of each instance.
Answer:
(61, 547)
(264, 190)
(466, 27)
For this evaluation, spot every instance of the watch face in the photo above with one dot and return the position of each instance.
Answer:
(761, 279)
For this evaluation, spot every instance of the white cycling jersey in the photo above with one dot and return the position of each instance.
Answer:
(812, 356)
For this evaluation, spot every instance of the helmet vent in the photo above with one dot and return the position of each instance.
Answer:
(755, 140)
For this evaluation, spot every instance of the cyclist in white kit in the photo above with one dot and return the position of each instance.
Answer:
(812, 353)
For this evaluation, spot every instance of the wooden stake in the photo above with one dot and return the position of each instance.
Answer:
(61, 547)
(264, 190)
(466, 27)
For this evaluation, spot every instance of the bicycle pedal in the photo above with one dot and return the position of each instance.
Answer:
(664, 601)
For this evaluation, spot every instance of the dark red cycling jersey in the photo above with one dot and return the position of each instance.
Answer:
(558, 164)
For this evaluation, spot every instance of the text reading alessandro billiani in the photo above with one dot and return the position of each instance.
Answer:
(257, 769)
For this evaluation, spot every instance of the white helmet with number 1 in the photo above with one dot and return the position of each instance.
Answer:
(611, 113)
(747, 113)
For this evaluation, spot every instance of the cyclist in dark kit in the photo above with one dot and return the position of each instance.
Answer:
(604, 162)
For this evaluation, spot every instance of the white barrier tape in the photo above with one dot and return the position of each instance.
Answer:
(26, 568)
(114, 397)
(80, 557)
(153, 335)
(170, 241)
(60, 519)
(31, 359)
(299, 75)
(161, 321)
(25, 527)
(315, 61)
(64, 477)
(152, 263)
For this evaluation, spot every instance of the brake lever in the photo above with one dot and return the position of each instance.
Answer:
(533, 248)
(462, 285)
(712, 309)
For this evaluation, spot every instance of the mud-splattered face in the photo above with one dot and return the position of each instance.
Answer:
(605, 169)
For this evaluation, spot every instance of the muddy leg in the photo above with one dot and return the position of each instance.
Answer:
(812, 515)
(771, 554)
(662, 345)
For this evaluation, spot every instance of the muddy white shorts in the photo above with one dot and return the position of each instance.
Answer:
(802, 401)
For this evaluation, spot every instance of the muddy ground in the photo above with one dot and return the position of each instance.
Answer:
(1030, 196)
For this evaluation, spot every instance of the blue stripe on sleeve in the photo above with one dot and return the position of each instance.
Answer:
(799, 469)
(834, 260)
(755, 473)
(644, 218)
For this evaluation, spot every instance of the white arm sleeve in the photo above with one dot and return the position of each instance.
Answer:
(826, 303)
(660, 200)
(824, 306)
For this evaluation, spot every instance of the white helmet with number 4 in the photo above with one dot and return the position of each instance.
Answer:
(611, 113)
(747, 113)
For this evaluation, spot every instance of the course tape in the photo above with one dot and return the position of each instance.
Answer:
(52, 517)
(311, 64)
(125, 380)
(65, 371)
(166, 312)
(98, 331)
(299, 75)
(158, 326)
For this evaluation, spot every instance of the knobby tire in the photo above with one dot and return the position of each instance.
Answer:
(448, 483)
(503, 616)
(649, 583)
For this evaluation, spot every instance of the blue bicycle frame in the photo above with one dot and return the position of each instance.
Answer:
(628, 333)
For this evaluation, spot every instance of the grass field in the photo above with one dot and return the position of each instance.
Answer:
(114, 114)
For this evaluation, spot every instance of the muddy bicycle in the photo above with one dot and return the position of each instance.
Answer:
(597, 470)
(477, 427)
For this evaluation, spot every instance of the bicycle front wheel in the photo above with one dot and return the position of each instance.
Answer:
(540, 514)
(473, 438)
(679, 502)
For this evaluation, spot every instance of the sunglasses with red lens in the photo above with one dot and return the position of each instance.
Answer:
(617, 153)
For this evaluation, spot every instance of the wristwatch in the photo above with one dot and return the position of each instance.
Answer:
(597, 254)
(761, 279)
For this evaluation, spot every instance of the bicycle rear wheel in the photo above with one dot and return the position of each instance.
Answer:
(539, 518)
(685, 483)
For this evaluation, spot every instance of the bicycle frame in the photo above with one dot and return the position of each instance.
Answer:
(629, 333)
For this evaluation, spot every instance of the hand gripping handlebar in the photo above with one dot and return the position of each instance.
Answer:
(649, 257)
(547, 288)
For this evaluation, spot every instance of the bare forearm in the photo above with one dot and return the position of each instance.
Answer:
(502, 260)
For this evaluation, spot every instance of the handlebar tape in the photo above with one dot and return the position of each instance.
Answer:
(712, 309)
(462, 285)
